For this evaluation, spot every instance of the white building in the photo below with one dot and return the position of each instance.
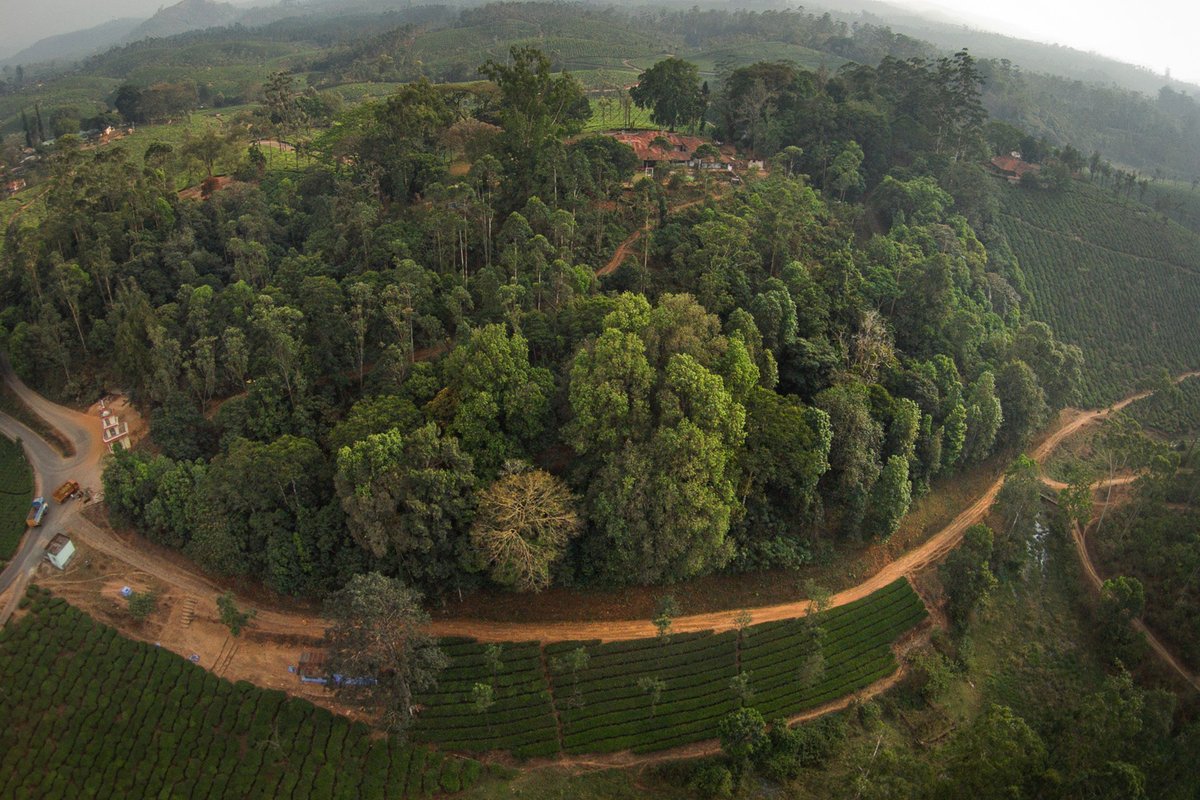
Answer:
(60, 550)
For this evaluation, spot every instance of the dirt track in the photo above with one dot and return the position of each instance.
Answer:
(287, 623)
(623, 248)
(1096, 580)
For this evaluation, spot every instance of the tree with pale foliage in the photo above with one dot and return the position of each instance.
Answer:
(376, 640)
(522, 526)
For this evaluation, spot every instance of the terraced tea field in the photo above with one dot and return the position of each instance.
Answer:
(16, 490)
(87, 713)
(651, 694)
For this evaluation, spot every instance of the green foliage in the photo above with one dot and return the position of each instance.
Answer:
(1150, 544)
(650, 694)
(232, 616)
(235, 736)
(376, 641)
(495, 402)
(890, 498)
(16, 492)
(1115, 283)
(966, 576)
(1175, 413)
(671, 89)
(1018, 505)
(143, 604)
(742, 733)
(666, 610)
(520, 718)
(1122, 599)
(713, 781)
(998, 756)
(408, 499)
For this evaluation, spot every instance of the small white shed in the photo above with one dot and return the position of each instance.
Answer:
(60, 550)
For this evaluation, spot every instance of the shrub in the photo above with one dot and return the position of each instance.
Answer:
(712, 781)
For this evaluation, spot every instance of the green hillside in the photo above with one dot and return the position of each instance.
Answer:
(16, 489)
(1110, 277)
(87, 713)
(1174, 414)
(601, 702)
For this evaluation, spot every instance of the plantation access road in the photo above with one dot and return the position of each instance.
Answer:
(623, 248)
(86, 435)
(1096, 581)
(49, 471)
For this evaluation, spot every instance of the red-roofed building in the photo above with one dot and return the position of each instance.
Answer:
(656, 147)
(1012, 167)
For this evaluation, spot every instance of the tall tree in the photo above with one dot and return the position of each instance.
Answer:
(524, 522)
(984, 418)
(536, 109)
(377, 642)
(966, 576)
(408, 500)
(671, 90)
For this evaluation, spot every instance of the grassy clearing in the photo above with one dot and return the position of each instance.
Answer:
(16, 490)
(604, 694)
(86, 713)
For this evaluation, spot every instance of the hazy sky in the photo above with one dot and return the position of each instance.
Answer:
(23, 22)
(1159, 34)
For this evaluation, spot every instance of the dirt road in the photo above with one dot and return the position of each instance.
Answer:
(1096, 580)
(286, 622)
(623, 248)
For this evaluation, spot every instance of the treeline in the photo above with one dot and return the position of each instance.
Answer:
(1149, 133)
(918, 113)
(760, 382)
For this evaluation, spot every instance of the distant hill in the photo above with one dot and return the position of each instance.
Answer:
(77, 44)
(1031, 56)
(187, 15)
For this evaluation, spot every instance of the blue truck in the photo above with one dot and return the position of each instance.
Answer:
(36, 510)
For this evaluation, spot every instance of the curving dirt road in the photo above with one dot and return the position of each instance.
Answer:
(49, 470)
(1096, 580)
(85, 433)
(623, 248)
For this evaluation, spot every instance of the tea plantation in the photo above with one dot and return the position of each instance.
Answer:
(16, 489)
(1116, 281)
(86, 713)
(1171, 413)
(651, 694)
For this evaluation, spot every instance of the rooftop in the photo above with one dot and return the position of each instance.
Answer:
(647, 149)
(1013, 164)
(57, 544)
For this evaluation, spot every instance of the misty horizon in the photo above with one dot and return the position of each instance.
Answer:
(1104, 31)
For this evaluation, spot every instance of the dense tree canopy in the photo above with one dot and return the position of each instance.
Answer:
(339, 360)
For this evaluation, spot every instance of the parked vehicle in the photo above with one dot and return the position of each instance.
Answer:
(36, 510)
(67, 490)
